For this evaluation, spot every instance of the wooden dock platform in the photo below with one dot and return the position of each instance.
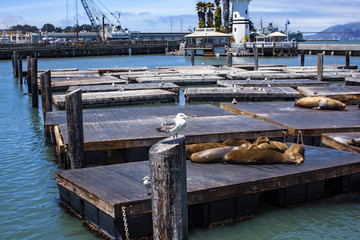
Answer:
(126, 87)
(216, 192)
(120, 98)
(339, 141)
(241, 94)
(352, 81)
(300, 121)
(329, 91)
(293, 83)
(182, 80)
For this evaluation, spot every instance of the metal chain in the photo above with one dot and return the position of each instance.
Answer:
(125, 223)
(300, 138)
(285, 135)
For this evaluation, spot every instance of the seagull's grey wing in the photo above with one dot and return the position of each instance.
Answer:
(167, 126)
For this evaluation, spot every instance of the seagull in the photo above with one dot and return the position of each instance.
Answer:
(174, 126)
(147, 184)
(234, 101)
(161, 84)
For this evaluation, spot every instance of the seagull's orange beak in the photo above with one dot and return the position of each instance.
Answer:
(186, 117)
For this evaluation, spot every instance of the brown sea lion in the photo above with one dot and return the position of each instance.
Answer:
(354, 142)
(347, 99)
(321, 103)
(198, 147)
(266, 156)
(261, 140)
(273, 145)
(235, 142)
(211, 155)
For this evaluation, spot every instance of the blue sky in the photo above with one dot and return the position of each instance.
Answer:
(177, 15)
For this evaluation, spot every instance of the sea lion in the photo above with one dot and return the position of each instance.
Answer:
(354, 142)
(198, 147)
(321, 103)
(235, 142)
(211, 155)
(347, 99)
(293, 154)
(273, 145)
(261, 140)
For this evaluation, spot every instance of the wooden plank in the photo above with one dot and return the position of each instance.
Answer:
(118, 69)
(244, 94)
(339, 141)
(274, 83)
(125, 87)
(309, 121)
(329, 91)
(352, 81)
(205, 182)
(185, 80)
(119, 98)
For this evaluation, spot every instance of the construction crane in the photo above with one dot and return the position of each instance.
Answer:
(107, 30)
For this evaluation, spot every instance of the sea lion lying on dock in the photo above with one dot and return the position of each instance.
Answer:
(347, 99)
(198, 147)
(211, 155)
(354, 142)
(321, 103)
(294, 154)
(235, 142)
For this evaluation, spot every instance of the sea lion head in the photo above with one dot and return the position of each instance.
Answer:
(297, 159)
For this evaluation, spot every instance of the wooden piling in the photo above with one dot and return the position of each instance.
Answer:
(320, 66)
(34, 86)
(347, 59)
(20, 73)
(169, 190)
(302, 61)
(46, 92)
(15, 64)
(229, 59)
(192, 57)
(28, 75)
(75, 130)
(256, 59)
(273, 49)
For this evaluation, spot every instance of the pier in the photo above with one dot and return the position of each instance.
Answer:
(330, 49)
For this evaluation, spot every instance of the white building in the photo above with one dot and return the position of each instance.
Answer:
(241, 26)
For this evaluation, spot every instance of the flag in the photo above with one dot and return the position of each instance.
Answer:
(288, 22)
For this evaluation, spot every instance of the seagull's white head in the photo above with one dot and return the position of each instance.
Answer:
(181, 116)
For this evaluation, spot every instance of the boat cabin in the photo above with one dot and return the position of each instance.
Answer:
(207, 42)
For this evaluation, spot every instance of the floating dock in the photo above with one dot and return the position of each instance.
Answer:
(304, 123)
(339, 141)
(329, 91)
(181, 80)
(242, 94)
(293, 83)
(120, 98)
(352, 81)
(217, 193)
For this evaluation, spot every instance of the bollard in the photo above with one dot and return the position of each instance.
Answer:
(20, 71)
(229, 59)
(74, 116)
(34, 86)
(256, 59)
(169, 191)
(192, 57)
(302, 61)
(320, 66)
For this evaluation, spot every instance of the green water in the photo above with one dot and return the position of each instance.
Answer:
(29, 200)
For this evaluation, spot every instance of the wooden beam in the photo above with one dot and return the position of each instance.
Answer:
(320, 66)
(34, 85)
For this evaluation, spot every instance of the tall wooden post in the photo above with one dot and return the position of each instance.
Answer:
(256, 59)
(192, 57)
(229, 59)
(302, 61)
(273, 49)
(15, 64)
(320, 66)
(168, 185)
(74, 116)
(46, 92)
(347, 59)
(34, 84)
(20, 71)
(28, 74)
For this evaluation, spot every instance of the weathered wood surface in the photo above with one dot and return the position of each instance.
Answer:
(63, 84)
(118, 69)
(205, 182)
(34, 83)
(181, 80)
(339, 141)
(169, 189)
(275, 83)
(126, 87)
(59, 70)
(309, 121)
(243, 94)
(352, 81)
(278, 75)
(329, 91)
(136, 127)
(71, 74)
(120, 98)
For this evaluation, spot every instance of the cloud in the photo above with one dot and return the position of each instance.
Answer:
(10, 20)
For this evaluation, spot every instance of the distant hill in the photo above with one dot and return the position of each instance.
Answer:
(349, 31)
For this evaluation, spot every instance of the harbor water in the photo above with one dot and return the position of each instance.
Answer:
(29, 199)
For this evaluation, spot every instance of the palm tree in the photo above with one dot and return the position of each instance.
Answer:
(217, 2)
(217, 16)
(226, 6)
(210, 15)
(201, 9)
